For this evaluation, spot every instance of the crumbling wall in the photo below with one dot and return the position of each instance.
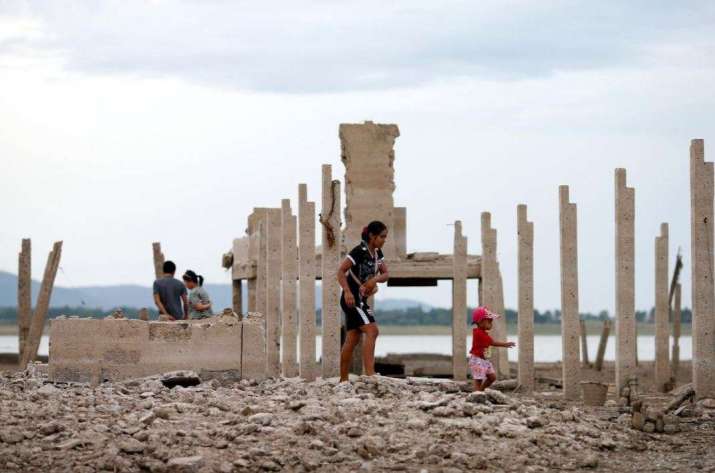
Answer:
(92, 350)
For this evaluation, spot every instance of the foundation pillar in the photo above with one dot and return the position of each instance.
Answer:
(289, 275)
(662, 329)
(525, 324)
(24, 292)
(500, 329)
(626, 343)
(237, 296)
(459, 305)
(273, 290)
(330, 260)
(584, 344)
(701, 263)
(490, 279)
(675, 364)
(306, 295)
(37, 324)
(158, 259)
(602, 343)
(258, 222)
(569, 296)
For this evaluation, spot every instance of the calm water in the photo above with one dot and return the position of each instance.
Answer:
(546, 347)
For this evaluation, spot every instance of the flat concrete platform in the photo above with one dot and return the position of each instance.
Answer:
(96, 350)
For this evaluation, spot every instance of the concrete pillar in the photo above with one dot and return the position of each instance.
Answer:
(158, 259)
(306, 271)
(367, 151)
(289, 275)
(490, 277)
(675, 365)
(37, 324)
(584, 344)
(602, 343)
(701, 247)
(262, 230)
(662, 332)
(330, 260)
(525, 323)
(237, 296)
(24, 292)
(625, 281)
(500, 330)
(399, 232)
(273, 292)
(459, 305)
(569, 296)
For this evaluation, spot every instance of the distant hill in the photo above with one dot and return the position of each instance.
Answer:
(132, 295)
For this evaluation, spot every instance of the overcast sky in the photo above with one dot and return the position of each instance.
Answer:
(126, 122)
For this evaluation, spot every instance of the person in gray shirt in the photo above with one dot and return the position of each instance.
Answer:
(199, 300)
(170, 294)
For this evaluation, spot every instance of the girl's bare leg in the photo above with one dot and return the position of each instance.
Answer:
(368, 347)
(488, 382)
(346, 354)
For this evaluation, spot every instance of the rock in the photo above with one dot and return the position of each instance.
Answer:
(649, 427)
(48, 390)
(534, 422)
(478, 397)
(147, 419)
(180, 378)
(163, 412)
(50, 428)
(185, 464)
(707, 403)
(589, 461)
(225, 467)
(70, 444)
(269, 465)
(497, 397)
(262, 418)
(296, 405)
(11, 436)
(671, 428)
(637, 421)
(131, 446)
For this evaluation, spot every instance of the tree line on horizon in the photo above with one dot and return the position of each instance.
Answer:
(409, 316)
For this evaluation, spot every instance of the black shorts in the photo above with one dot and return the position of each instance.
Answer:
(358, 315)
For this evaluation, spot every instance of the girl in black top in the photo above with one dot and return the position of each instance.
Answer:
(358, 275)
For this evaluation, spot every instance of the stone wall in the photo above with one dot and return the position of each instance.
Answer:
(94, 350)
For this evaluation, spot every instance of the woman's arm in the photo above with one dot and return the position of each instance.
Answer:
(343, 281)
(370, 286)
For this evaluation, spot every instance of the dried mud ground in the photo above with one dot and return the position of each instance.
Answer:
(371, 424)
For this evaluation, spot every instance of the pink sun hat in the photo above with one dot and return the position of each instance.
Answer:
(481, 313)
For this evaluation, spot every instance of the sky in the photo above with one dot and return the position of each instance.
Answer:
(127, 122)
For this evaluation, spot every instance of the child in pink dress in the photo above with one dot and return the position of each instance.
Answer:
(482, 369)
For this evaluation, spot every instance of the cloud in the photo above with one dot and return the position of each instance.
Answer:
(299, 47)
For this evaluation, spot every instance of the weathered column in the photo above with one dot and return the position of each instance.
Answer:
(584, 344)
(569, 295)
(459, 305)
(490, 277)
(330, 260)
(625, 281)
(306, 271)
(602, 343)
(237, 295)
(701, 248)
(662, 332)
(675, 365)
(261, 228)
(37, 324)
(525, 324)
(289, 274)
(24, 292)
(273, 291)
(500, 329)
(158, 259)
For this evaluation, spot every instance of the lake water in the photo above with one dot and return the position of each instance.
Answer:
(546, 347)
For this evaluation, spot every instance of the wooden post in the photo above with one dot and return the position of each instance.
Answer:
(525, 324)
(603, 342)
(24, 293)
(676, 333)
(459, 305)
(37, 323)
(158, 260)
(306, 271)
(289, 275)
(330, 260)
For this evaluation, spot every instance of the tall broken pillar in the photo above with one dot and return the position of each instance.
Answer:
(158, 259)
(626, 347)
(306, 287)
(701, 263)
(500, 329)
(37, 324)
(459, 305)
(367, 151)
(330, 260)
(675, 363)
(662, 329)
(273, 290)
(289, 275)
(490, 286)
(24, 292)
(258, 253)
(525, 323)
(571, 365)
